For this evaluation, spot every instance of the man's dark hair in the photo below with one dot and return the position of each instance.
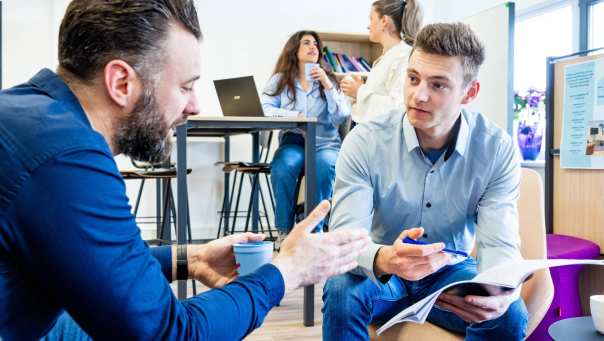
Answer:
(93, 32)
(453, 40)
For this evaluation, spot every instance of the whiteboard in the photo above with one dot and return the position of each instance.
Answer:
(495, 29)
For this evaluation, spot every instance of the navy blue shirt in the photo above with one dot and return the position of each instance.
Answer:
(68, 240)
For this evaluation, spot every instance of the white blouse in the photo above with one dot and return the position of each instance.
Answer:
(383, 90)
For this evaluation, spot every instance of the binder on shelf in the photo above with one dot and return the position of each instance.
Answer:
(338, 59)
(347, 62)
(363, 67)
(357, 65)
(344, 63)
(330, 58)
(365, 63)
(326, 63)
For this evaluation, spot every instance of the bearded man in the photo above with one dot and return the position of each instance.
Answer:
(72, 261)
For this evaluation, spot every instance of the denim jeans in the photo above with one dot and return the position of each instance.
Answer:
(66, 329)
(286, 167)
(352, 302)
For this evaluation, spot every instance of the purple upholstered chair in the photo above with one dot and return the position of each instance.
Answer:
(566, 302)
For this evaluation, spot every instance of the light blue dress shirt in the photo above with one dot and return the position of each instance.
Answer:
(330, 111)
(385, 184)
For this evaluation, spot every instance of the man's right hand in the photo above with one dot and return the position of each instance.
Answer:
(409, 261)
(307, 258)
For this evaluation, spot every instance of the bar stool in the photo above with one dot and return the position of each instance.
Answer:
(165, 214)
(252, 171)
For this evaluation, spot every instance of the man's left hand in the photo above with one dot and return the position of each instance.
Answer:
(476, 309)
(213, 264)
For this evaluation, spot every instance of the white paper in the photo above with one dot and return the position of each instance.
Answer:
(507, 275)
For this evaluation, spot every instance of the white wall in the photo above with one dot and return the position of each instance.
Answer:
(240, 38)
(245, 38)
(27, 39)
(447, 10)
(461, 9)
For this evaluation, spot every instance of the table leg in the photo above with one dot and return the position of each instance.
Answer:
(181, 186)
(227, 184)
(158, 208)
(255, 158)
(310, 202)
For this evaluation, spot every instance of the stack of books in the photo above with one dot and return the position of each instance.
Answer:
(341, 62)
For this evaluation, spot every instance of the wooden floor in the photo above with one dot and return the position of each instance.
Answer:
(285, 321)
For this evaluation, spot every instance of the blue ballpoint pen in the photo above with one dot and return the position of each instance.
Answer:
(417, 242)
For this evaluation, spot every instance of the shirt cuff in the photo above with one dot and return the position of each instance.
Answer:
(163, 254)
(367, 259)
(271, 278)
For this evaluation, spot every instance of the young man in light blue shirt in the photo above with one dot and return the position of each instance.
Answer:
(452, 175)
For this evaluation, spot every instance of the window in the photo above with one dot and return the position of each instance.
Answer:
(596, 25)
(535, 39)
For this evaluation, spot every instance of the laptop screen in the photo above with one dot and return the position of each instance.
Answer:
(238, 96)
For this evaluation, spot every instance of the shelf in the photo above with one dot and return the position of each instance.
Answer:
(352, 44)
(344, 37)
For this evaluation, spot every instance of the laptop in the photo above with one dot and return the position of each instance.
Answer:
(238, 97)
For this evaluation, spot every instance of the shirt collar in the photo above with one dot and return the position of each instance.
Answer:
(409, 134)
(457, 142)
(50, 83)
(313, 86)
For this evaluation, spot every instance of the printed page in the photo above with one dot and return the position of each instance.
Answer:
(506, 275)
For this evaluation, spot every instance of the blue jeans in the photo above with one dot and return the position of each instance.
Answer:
(66, 329)
(352, 302)
(286, 167)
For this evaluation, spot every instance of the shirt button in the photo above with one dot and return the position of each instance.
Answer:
(428, 205)
(432, 171)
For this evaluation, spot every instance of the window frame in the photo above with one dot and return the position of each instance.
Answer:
(548, 6)
(585, 7)
(535, 11)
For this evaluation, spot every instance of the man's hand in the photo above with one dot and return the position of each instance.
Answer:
(476, 309)
(213, 264)
(307, 258)
(410, 262)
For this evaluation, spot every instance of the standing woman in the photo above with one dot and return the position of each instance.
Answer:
(290, 92)
(393, 24)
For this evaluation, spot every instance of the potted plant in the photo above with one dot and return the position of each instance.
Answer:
(529, 110)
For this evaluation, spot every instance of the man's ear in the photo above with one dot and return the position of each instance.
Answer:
(471, 92)
(122, 84)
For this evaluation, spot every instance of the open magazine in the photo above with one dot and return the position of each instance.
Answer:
(505, 276)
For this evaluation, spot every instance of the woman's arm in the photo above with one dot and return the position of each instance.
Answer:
(272, 105)
(372, 101)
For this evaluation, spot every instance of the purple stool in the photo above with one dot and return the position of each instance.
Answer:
(566, 302)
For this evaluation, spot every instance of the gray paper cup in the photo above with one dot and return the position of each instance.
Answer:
(251, 256)
(307, 68)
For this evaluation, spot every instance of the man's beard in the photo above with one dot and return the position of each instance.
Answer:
(144, 135)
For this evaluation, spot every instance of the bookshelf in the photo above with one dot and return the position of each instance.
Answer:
(357, 45)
